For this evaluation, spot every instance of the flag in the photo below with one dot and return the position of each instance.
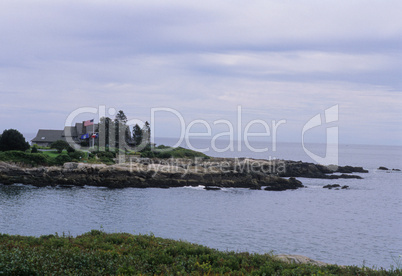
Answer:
(85, 136)
(94, 135)
(89, 122)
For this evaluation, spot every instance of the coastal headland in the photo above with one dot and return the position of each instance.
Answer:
(214, 173)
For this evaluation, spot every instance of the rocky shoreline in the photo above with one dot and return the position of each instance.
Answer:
(215, 173)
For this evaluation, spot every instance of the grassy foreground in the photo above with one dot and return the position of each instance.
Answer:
(99, 253)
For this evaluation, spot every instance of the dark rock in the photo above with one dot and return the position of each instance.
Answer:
(335, 176)
(211, 188)
(350, 169)
(383, 168)
(310, 170)
(280, 184)
(397, 170)
(330, 186)
(255, 188)
(345, 187)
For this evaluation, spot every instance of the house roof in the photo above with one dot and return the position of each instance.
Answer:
(48, 135)
(51, 135)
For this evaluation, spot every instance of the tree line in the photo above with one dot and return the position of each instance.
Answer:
(116, 134)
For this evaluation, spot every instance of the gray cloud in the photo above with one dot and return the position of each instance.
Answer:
(282, 60)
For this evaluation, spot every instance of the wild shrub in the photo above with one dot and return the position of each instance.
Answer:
(99, 253)
(77, 155)
(33, 159)
(62, 158)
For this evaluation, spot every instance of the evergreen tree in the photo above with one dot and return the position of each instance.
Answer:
(147, 133)
(137, 135)
(121, 128)
(12, 139)
(105, 128)
(121, 117)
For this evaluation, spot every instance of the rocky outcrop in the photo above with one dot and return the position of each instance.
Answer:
(298, 259)
(330, 186)
(381, 168)
(336, 186)
(350, 169)
(143, 176)
(311, 170)
(212, 188)
(292, 184)
(272, 175)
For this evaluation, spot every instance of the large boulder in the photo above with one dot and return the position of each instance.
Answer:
(298, 259)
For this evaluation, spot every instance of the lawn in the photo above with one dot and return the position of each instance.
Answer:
(53, 153)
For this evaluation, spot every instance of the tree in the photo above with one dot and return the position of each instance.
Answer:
(147, 133)
(59, 145)
(105, 127)
(121, 117)
(12, 139)
(137, 135)
(121, 129)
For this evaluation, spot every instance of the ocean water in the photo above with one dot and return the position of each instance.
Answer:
(361, 225)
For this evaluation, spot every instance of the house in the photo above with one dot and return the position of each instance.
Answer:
(45, 137)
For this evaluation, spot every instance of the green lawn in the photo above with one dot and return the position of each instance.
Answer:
(53, 153)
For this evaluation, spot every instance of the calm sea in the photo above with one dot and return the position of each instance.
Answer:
(362, 225)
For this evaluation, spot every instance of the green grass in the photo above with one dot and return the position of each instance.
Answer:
(53, 153)
(162, 151)
(99, 253)
(52, 157)
(33, 159)
(46, 158)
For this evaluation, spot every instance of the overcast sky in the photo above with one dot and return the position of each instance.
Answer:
(278, 60)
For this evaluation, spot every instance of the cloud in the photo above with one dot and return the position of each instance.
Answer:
(275, 59)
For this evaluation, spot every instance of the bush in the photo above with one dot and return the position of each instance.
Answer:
(33, 159)
(34, 150)
(12, 139)
(77, 155)
(164, 155)
(107, 161)
(61, 159)
(147, 154)
(99, 253)
(106, 154)
(60, 145)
